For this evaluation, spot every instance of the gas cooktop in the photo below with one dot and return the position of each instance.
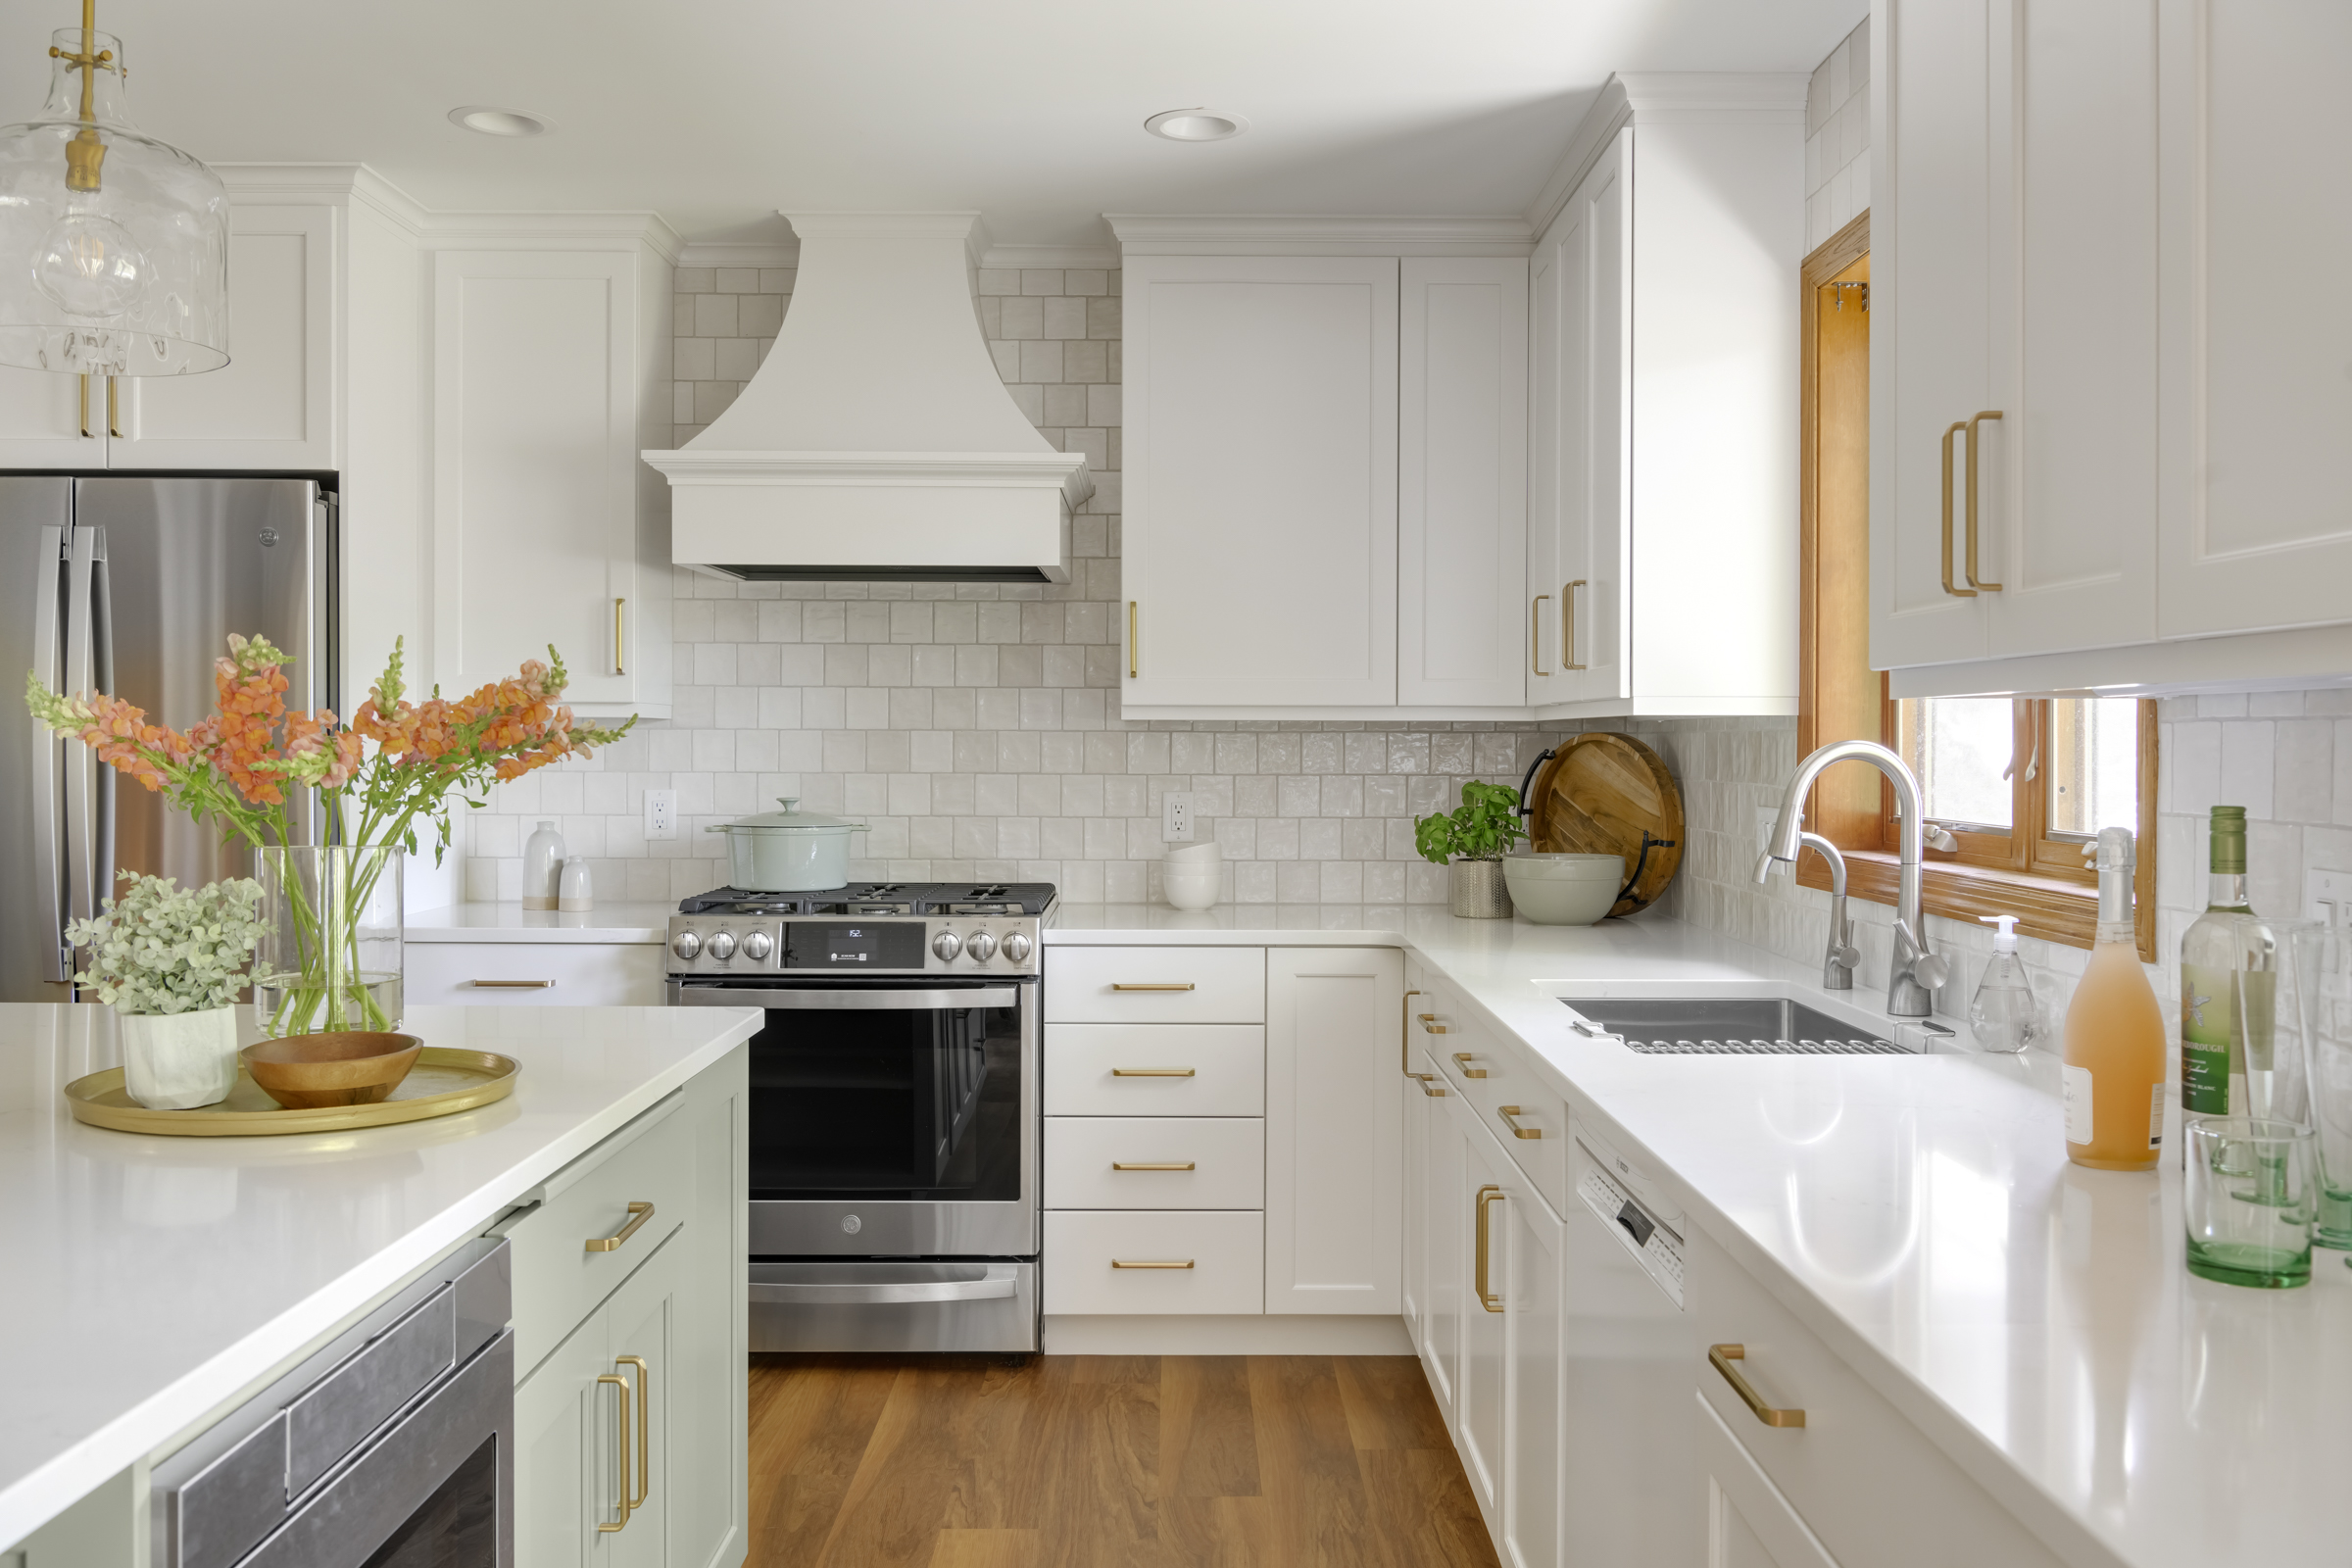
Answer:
(880, 899)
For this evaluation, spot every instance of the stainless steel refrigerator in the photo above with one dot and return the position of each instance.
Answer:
(132, 586)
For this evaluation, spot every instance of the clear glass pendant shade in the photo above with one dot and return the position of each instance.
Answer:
(114, 246)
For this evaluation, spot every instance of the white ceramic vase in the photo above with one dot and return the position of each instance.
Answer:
(177, 1060)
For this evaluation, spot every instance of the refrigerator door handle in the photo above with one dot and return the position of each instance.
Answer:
(83, 892)
(103, 781)
(48, 845)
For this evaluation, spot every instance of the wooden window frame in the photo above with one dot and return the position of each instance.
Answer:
(2029, 872)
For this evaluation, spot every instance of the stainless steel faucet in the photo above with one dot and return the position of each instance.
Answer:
(1915, 973)
(1837, 963)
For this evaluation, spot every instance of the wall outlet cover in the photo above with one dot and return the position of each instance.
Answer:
(1176, 816)
(660, 814)
(2322, 888)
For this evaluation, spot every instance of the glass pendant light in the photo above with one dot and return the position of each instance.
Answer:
(114, 246)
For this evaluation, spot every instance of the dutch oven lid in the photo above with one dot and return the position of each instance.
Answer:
(790, 821)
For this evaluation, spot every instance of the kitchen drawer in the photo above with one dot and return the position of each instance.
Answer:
(1531, 1122)
(1226, 1252)
(1155, 985)
(1228, 1156)
(1156, 1069)
(533, 974)
(1867, 1482)
(558, 1280)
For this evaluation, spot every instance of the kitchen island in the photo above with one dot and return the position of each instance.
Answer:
(154, 1281)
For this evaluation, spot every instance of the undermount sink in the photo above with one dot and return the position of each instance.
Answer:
(1728, 1026)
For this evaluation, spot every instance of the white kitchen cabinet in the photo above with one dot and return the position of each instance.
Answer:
(1334, 1130)
(533, 974)
(1260, 483)
(1445, 1239)
(1461, 481)
(42, 421)
(1482, 1382)
(1533, 1480)
(549, 369)
(1748, 1523)
(1663, 526)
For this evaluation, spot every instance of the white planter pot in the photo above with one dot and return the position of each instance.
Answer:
(177, 1060)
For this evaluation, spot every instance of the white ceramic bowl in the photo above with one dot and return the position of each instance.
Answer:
(1563, 889)
(1206, 852)
(1189, 889)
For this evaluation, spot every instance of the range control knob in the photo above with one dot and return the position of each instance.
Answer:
(686, 945)
(947, 945)
(982, 947)
(722, 944)
(1017, 946)
(757, 946)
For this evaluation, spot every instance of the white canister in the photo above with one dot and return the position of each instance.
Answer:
(542, 867)
(575, 894)
(178, 1060)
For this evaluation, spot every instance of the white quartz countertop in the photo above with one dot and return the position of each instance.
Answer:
(147, 1279)
(622, 922)
(2034, 1318)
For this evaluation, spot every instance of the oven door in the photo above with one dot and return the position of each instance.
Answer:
(891, 1119)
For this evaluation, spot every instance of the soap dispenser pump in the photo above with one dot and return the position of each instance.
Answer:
(2004, 1013)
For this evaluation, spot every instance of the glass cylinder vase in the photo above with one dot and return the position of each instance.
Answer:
(331, 950)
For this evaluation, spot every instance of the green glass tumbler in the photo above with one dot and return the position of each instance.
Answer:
(2251, 1200)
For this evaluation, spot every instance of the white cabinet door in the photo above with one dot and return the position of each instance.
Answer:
(642, 1345)
(1260, 522)
(709, 1422)
(1446, 1226)
(535, 440)
(1424, 1118)
(1580, 494)
(2255, 530)
(272, 406)
(1533, 1320)
(1334, 1129)
(1932, 190)
(42, 419)
(1747, 1522)
(1482, 1391)
(1462, 482)
(533, 974)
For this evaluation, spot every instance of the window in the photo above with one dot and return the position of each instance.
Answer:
(2022, 785)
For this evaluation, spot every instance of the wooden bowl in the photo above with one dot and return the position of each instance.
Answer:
(342, 1068)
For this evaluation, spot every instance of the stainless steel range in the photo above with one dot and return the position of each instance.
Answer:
(894, 1100)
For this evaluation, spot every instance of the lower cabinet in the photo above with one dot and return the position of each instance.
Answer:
(533, 974)
(1334, 1130)
(1748, 1523)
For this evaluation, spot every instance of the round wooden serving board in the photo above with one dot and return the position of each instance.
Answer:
(1598, 797)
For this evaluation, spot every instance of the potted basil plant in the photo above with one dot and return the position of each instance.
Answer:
(1470, 843)
(171, 964)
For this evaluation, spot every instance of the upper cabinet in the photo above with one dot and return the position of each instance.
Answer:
(2101, 454)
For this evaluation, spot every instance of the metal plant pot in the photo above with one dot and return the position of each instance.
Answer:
(1476, 891)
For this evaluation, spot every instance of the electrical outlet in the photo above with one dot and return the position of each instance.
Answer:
(2322, 888)
(1176, 816)
(660, 814)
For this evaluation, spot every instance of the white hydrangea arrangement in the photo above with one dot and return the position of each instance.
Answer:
(158, 950)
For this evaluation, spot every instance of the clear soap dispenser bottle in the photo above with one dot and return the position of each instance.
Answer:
(2004, 1013)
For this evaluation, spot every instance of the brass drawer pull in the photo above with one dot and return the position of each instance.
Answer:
(1568, 624)
(1152, 985)
(1534, 637)
(1134, 646)
(1151, 1164)
(1507, 1112)
(1404, 1052)
(1430, 1026)
(622, 1445)
(1721, 1358)
(1466, 1059)
(1971, 460)
(645, 1427)
(639, 1213)
(1152, 1072)
(511, 985)
(1426, 1087)
(1486, 1297)
(1948, 586)
(1133, 1262)
(620, 659)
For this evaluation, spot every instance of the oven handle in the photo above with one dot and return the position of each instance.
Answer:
(1002, 1280)
(817, 999)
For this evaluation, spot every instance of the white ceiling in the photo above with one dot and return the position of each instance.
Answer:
(716, 113)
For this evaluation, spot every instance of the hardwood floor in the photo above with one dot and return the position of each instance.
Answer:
(1096, 1461)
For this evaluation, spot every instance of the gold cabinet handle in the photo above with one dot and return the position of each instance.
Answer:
(1148, 1262)
(1405, 1049)
(1535, 639)
(1507, 1112)
(645, 1427)
(1466, 1059)
(1721, 1358)
(639, 1213)
(85, 408)
(621, 661)
(623, 1523)
(1152, 985)
(114, 417)
(1152, 1072)
(511, 985)
(1151, 1164)
(1430, 1026)
(1568, 659)
(1949, 586)
(1134, 648)
(1989, 414)
(1486, 1297)
(1426, 1087)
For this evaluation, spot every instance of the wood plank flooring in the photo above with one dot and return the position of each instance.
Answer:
(1096, 1461)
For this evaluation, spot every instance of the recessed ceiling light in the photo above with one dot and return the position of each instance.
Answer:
(496, 121)
(1195, 125)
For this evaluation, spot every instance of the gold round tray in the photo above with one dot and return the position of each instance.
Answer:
(444, 1082)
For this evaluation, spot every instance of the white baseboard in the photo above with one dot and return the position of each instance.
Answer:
(1107, 1334)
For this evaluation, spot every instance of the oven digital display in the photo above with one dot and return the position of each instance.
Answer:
(853, 946)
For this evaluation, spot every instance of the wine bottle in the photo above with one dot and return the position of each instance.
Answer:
(2213, 1049)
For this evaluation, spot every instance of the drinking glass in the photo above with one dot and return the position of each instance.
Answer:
(2268, 985)
(2250, 1201)
(2321, 959)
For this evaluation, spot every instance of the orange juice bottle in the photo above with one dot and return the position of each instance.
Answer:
(2113, 1034)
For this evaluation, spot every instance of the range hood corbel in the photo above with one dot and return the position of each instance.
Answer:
(876, 442)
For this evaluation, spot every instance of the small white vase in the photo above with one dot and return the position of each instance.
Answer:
(176, 1060)
(542, 868)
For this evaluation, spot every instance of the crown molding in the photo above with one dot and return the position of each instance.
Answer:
(1227, 233)
(1666, 97)
(1050, 258)
(712, 253)
(358, 182)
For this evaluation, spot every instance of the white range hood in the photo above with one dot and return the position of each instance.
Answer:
(876, 441)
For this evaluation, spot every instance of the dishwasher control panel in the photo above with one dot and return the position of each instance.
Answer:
(1657, 1248)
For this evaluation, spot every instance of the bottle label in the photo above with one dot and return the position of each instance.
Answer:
(2078, 1104)
(2208, 1043)
(2156, 1114)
